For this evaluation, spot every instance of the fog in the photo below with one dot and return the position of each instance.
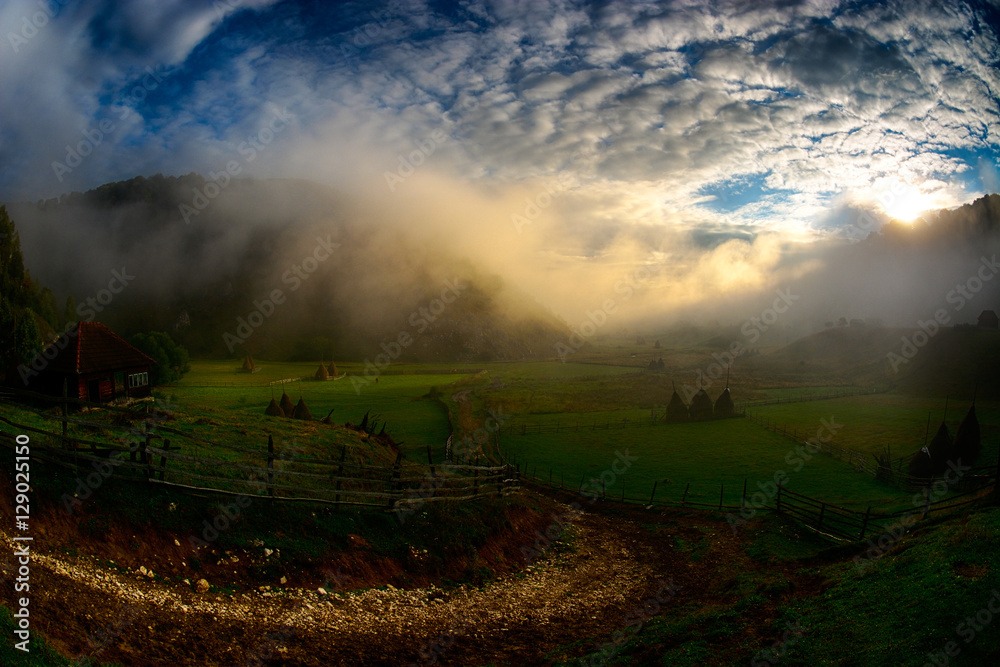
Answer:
(547, 251)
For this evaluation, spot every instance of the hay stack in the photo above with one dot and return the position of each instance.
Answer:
(286, 405)
(327, 420)
(332, 370)
(248, 364)
(321, 373)
(676, 410)
(921, 467)
(301, 411)
(968, 440)
(701, 406)
(724, 404)
(273, 409)
(940, 450)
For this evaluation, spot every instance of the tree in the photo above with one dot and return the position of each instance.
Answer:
(20, 299)
(69, 312)
(172, 360)
(11, 260)
(47, 308)
(27, 338)
(7, 323)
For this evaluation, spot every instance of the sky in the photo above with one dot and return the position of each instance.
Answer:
(590, 132)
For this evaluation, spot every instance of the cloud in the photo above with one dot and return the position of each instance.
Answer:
(652, 110)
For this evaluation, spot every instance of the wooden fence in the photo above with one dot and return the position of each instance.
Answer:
(832, 521)
(150, 453)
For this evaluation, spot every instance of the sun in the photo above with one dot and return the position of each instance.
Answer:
(905, 201)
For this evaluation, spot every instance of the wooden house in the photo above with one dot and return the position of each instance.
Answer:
(96, 364)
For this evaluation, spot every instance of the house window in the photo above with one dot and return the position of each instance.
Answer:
(138, 380)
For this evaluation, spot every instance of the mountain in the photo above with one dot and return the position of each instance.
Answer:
(286, 269)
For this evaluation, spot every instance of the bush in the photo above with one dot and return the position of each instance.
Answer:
(172, 360)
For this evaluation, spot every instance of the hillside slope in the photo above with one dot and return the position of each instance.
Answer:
(286, 269)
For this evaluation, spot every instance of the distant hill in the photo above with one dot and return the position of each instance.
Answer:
(953, 363)
(950, 363)
(839, 354)
(970, 222)
(286, 269)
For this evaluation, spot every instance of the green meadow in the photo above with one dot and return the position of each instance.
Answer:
(872, 423)
(713, 457)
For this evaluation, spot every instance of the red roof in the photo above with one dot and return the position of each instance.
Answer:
(91, 347)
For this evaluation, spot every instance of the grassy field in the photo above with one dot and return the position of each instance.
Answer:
(576, 396)
(706, 455)
(217, 402)
(870, 423)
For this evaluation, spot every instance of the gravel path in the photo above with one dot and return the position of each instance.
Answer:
(576, 592)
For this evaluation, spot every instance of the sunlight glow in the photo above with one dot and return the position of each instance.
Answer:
(905, 202)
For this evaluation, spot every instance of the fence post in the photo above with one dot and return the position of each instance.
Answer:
(340, 474)
(779, 497)
(623, 490)
(582, 478)
(822, 511)
(163, 459)
(743, 499)
(147, 459)
(142, 455)
(722, 488)
(270, 466)
(475, 478)
(864, 523)
(684, 498)
(394, 480)
(653, 493)
(430, 462)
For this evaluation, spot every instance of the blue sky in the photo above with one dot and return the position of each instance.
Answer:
(701, 121)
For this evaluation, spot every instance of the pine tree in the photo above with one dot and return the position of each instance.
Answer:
(27, 338)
